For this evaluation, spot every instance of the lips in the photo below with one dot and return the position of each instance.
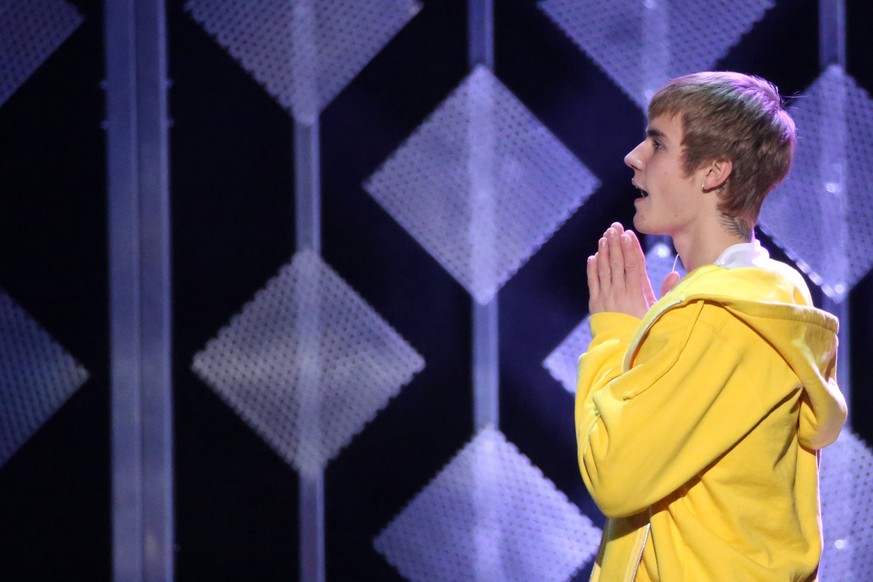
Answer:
(643, 193)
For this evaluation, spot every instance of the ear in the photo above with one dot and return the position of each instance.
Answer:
(716, 173)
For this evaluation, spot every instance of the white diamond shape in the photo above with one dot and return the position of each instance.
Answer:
(304, 52)
(30, 32)
(641, 44)
(847, 509)
(36, 376)
(489, 515)
(823, 214)
(562, 362)
(307, 363)
(481, 184)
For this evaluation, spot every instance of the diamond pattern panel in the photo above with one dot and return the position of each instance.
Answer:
(641, 44)
(304, 52)
(30, 31)
(36, 376)
(563, 361)
(847, 509)
(489, 515)
(307, 363)
(481, 184)
(823, 214)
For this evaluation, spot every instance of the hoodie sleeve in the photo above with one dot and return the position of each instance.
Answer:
(687, 398)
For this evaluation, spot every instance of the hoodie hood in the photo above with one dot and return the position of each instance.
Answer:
(773, 299)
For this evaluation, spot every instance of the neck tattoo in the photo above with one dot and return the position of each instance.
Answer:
(737, 227)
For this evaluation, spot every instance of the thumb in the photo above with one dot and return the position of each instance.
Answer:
(669, 282)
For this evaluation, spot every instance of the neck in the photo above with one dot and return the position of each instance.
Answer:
(705, 246)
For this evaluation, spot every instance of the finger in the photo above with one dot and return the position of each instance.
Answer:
(593, 278)
(619, 229)
(638, 273)
(616, 260)
(593, 283)
(631, 257)
(670, 281)
(603, 266)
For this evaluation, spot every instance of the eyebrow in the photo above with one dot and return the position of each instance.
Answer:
(652, 132)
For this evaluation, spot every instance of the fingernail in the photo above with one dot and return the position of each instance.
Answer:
(602, 243)
(625, 240)
(610, 231)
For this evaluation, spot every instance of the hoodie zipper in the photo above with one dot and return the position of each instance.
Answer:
(639, 558)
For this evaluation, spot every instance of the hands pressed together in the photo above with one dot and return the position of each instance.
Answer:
(617, 278)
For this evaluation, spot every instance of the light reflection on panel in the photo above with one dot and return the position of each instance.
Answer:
(822, 215)
(847, 509)
(489, 515)
(29, 32)
(304, 52)
(481, 184)
(631, 39)
(36, 376)
(307, 341)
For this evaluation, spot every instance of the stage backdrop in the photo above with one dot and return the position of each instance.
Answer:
(379, 214)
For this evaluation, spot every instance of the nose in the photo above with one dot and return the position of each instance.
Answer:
(634, 158)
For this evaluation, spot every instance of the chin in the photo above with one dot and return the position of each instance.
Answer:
(640, 226)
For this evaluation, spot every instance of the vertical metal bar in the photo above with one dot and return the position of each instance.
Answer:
(122, 177)
(311, 478)
(483, 233)
(831, 33)
(307, 186)
(307, 212)
(140, 306)
(486, 366)
(310, 469)
(311, 496)
(654, 63)
(655, 56)
(480, 31)
(307, 215)
(832, 51)
(156, 306)
(486, 375)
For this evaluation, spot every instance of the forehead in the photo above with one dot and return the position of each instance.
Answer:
(666, 127)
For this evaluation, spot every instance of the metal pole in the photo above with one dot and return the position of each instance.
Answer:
(307, 212)
(486, 364)
(140, 304)
(832, 51)
(486, 380)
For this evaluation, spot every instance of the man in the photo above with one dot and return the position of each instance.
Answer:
(699, 417)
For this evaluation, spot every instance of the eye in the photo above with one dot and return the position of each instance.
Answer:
(656, 145)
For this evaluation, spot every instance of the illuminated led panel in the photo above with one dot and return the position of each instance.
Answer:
(822, 215)
(36, 377)
(481, 184)
(30, 31)
(562, 363)
(489, 515)
(847, 509)
(307, 363)
(641, 44)
(304, 52)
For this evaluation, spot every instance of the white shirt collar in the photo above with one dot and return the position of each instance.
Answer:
(750, 254)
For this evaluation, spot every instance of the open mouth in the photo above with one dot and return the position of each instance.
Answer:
(643, 193)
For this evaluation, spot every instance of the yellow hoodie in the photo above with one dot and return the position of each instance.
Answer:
(699, 427)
